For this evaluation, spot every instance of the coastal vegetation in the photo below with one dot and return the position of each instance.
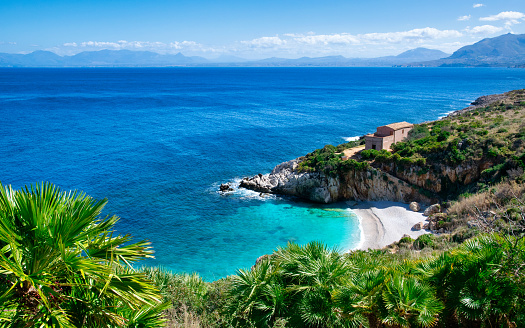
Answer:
(479, 283)
(62, 266)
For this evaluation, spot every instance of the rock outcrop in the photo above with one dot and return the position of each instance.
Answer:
(414, 206)
(433, 209)
(439, 178)
(368, 184)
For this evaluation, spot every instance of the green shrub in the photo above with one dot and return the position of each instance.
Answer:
(418, 132)
(493, 152)
(443, 135)
(406, 240)
(426, 240)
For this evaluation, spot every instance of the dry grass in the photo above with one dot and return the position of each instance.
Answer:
(497, 198)
(182, 318)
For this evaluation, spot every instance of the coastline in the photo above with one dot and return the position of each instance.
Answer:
(385, 222)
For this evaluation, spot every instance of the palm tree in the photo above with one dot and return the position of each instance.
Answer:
(477, 283)
(410, 303)
(61, 265)
(311, 273)
(360, 298)
(260, 295)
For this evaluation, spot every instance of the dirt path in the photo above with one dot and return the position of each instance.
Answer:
(352, 151)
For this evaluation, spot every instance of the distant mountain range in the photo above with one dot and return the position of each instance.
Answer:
(102, 58)
(127, 58)
(506, 50)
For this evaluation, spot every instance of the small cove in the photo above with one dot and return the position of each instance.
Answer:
(158, 142)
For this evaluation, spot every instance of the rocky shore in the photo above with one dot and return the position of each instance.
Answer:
(383, 182)
(481, 102)
(370, 184)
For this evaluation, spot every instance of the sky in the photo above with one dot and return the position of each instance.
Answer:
(254, 29)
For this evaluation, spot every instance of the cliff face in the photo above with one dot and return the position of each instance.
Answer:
(369, 184)
(439, 178)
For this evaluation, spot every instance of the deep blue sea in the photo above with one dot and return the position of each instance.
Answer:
(158, 142)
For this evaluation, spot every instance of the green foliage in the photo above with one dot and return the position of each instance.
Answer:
(329, 162)
(419, 132)
(61, 265)
(426, 240)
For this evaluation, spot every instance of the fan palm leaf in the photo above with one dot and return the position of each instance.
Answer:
(58, 253)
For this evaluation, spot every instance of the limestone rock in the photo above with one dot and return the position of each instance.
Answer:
(436, 217)
(432, 209)
(418, 226)
(368, 184)
(225, 187)
(414, 206)
(432, 226)
(425, 226)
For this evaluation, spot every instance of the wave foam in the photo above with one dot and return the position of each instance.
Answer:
(348, 139)
(241, 193)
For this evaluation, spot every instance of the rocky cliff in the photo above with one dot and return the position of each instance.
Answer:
(462, 153)
(368, 184)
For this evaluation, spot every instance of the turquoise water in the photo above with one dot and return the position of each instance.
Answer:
(158, 143)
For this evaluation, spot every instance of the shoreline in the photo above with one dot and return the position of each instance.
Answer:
(385, 222)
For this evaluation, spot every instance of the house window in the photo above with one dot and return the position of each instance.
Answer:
(391, 132)
(403, 131)
(373, 146)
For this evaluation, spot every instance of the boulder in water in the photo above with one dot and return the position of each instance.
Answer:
(225, 188)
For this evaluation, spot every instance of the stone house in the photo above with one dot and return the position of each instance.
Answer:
(387, 135)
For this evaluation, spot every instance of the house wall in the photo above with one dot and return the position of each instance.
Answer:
(387, 142)
(384, 131)
(378, 142)
(401, 134)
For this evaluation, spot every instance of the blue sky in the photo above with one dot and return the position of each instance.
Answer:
(254, 29)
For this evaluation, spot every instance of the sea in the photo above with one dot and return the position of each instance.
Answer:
(158, 142)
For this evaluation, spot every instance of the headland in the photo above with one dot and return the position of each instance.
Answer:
(438, 162)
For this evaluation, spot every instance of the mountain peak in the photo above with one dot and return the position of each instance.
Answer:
(418, 53)
(507, 45)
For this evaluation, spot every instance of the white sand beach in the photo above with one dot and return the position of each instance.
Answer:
(384, 222)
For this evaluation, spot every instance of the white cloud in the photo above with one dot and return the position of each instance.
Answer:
(328, 39)
(329, 42)
(484, 29)
(160, 47)
(464, 18)
(292, 45)
(415, 35)
(477, 5)
(265, 42)
(510, 18)
(505, 15)
(184, 44)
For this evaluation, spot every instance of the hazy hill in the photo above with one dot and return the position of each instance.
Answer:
(505, 50)
(127, 58)
(102, 58)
